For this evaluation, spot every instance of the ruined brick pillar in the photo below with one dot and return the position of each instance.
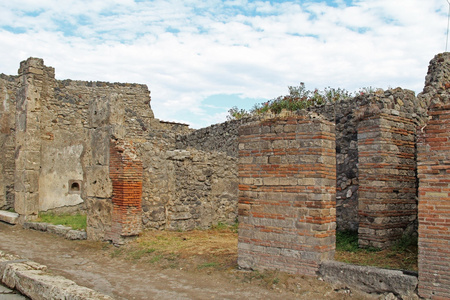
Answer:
(125, 171)
(287, 190)
(434, 184)
(34, 77)
(434, 206)
(387, 181)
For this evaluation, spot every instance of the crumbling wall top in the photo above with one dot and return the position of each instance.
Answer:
(437, 82)
(36, 66)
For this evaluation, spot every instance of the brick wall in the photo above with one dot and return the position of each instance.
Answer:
(125, 171)
(387, 179)
(287, 177)
(434, 206)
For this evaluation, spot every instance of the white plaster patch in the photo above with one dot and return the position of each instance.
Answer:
(60, 166)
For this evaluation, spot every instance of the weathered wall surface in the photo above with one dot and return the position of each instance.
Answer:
(8, 91)
(78, 121)
(347, 115)
(35, 90)
(287, 190)
(186, 188)
(61, 167)
(206, 189)
(434, 184)
(221, 137)
(158, 186)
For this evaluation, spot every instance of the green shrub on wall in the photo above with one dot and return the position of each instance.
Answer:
(298, 98)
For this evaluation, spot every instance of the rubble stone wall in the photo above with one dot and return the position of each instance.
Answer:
(186, 188)
(221, 137)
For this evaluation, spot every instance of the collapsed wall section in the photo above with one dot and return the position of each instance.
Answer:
(287, 188)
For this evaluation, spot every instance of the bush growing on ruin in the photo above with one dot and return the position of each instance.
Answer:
(298, 98)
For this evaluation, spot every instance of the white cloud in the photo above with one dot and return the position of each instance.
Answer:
(187, 51)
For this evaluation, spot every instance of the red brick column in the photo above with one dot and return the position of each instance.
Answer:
(287, 190)
(387, 181)
(125, 171)
(434, 205)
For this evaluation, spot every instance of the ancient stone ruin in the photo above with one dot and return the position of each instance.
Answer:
(377, 163)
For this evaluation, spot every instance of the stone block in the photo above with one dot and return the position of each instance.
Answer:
(9, 217)
(31, 181)
(99, 112)
(26, 204)
(369, 279)
(33, 281)
(58, 229)
(76, 235)
(271, 181)
(40, 226)
(98, 184)
(99, 143)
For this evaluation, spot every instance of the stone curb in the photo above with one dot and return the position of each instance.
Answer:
(64, 231)
(9, 217)
(32, 280)
(370, 279)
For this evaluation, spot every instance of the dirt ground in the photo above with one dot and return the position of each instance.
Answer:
(161, 265)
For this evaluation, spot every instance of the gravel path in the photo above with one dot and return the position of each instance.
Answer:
(85, 263)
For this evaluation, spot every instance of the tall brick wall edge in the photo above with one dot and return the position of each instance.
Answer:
(434, 184)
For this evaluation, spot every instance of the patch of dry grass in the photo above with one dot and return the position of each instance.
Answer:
(214, 252)
(197, 249)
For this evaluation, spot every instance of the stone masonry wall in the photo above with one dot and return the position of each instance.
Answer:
(206, 189)
(8, 92)
(287, 186)
(434, 183)
(35, 89)
(186, 188)
(221, 137)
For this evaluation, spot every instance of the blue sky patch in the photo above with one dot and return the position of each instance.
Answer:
(16, 30)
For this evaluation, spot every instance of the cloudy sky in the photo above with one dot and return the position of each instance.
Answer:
(201, 57)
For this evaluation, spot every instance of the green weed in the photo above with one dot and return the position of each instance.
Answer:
(347, 241)
(116, 252)
(207, 265)
(156, 258)
(139, 253)
(77, 222)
